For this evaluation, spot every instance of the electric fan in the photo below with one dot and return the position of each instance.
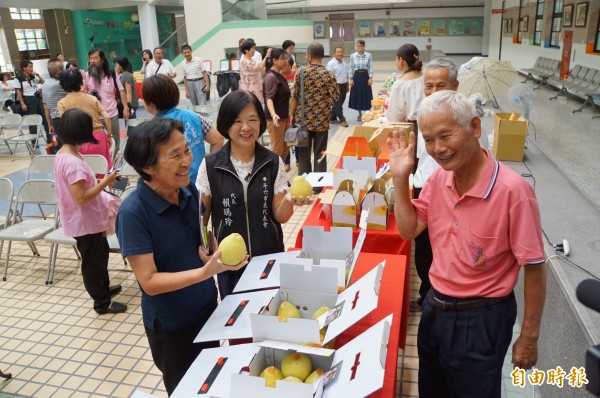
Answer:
(520, 99)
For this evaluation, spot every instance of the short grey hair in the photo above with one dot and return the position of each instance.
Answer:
(446, 63)
(316, 50)
(55, 66)
(449, 101)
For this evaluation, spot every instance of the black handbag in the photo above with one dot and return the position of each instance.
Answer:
(298, 135)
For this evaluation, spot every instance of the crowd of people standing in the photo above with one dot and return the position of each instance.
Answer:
(468, 271)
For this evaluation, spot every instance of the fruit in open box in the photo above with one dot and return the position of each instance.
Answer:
(314, 375)
(287, 310)
(271, 374)
(296, 364)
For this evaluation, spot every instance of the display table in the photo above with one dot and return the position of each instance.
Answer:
(387, 241)
(393, 298)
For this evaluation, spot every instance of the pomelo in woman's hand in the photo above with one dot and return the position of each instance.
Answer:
(233, 249)
(300, 187)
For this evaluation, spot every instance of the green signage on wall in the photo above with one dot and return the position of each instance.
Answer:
(116, 33)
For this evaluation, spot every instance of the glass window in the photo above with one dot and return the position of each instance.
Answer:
(556, 23)
(597, 46)
(539, 23)
(31, 39)
(25, 13)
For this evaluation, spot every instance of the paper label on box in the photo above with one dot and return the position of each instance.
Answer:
(333, 314)
(332, 374)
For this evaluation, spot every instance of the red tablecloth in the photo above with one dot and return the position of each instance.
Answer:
(387, 241)
(393, 298)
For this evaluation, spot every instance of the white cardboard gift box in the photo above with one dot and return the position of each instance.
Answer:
(232, 371)
(310, 288)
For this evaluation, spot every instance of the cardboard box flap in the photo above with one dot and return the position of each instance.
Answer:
(295, 330)
(336, 144)
(354, 303)
(359, 177)
(351, 259)
(362, 363)
(320, 179)
(244, 386)
(307, 277)
(233, 359)
(315, 238)
(304, 349)
(379, 138)
(262, 272)
(231, 318)
(368, 164)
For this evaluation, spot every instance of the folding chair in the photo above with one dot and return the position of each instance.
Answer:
(41, 167)
(10, 128)
(39, 192)
(26, 138)
(6, 196)
(97, 163)
(37, 121)
(55, 238)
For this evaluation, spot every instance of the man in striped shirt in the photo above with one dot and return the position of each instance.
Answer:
(195, 78)
(53, 93)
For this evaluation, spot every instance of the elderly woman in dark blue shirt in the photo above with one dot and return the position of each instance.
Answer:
(158, 227)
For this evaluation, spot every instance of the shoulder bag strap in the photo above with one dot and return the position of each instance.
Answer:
(302, 96)
(113, 74)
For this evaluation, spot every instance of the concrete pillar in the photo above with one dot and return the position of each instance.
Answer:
(201, 17)
(148, 25)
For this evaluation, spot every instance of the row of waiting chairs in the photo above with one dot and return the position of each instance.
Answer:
(582, 81)
(14, 128)
(544, 69)
(14, 226)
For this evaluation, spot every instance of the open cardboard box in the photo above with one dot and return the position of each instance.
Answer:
(231, 318)
(310, 288)
(335, 244)
(353, 371)
(509, 136)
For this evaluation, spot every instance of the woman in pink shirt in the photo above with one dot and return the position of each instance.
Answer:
(251, 72)
(84, 209)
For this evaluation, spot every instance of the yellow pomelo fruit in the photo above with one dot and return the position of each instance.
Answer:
(271, 374)
(300, 187)
(233, 249)
(314, 375)
(287, 310)
(293, 379)
(296, 364)
(320, 312)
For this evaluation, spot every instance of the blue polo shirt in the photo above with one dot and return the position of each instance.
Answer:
(147, 223)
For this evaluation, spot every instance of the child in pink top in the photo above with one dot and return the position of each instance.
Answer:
(83, 208)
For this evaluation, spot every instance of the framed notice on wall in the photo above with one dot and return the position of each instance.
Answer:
(581, 14)
(319, 30)
(409, 27)
(379, 28)
(424, 27)
(394, 28)
(439, 27)
(568, 16)
(364, 28)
